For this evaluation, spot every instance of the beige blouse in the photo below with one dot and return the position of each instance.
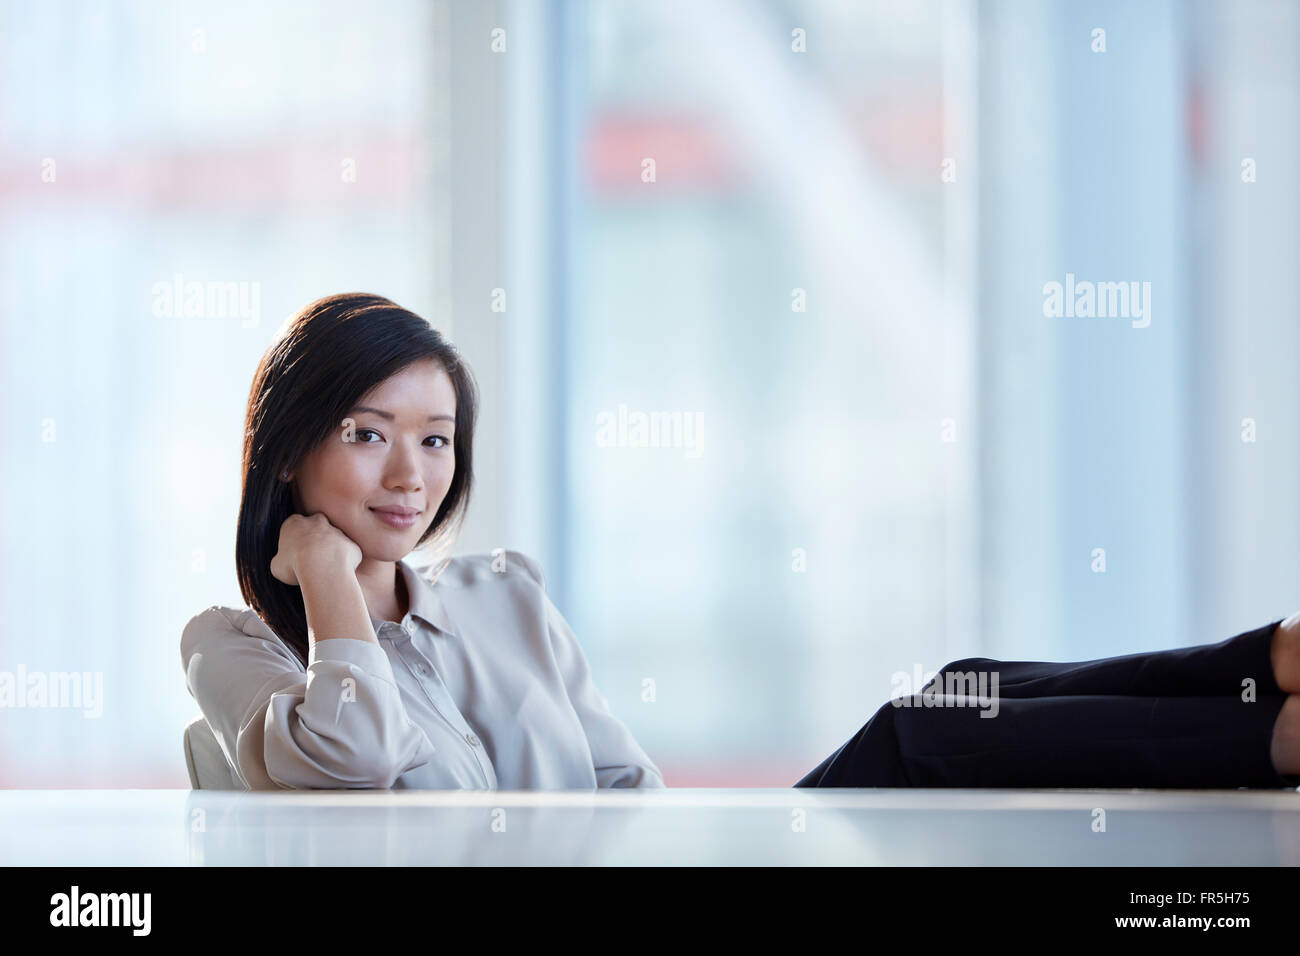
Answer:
(481, 686)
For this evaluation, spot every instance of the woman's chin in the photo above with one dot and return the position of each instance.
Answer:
(392, 548)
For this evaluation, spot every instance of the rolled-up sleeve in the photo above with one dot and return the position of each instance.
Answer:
(339, 724)
(619, 761)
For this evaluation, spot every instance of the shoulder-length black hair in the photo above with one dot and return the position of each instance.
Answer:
(321, 362)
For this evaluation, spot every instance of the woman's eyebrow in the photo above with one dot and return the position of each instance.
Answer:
(390, 417)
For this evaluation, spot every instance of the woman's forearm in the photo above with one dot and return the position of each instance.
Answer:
(335, 603)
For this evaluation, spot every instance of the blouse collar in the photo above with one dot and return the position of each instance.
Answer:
(425, 601)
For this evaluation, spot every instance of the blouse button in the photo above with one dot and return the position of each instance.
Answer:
(473, 741)
(424, 669)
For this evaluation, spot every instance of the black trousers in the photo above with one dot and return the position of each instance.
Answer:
(1180, 718)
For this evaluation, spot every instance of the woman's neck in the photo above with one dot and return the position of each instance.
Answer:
(384, 588)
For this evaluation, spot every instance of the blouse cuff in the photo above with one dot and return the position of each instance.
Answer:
(367, 655)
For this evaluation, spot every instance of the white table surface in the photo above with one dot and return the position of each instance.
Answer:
(674, 826)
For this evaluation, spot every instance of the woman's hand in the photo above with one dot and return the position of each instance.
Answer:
(310, 540)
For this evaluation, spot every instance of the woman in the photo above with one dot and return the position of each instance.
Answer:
(351, 668)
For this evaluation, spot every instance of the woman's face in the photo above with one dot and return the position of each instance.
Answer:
(397, 453)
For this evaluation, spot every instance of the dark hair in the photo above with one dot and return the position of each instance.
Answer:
(321, 362)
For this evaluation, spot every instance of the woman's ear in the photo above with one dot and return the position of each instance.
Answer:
(287, 477)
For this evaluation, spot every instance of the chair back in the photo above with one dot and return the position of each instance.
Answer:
(204, 759)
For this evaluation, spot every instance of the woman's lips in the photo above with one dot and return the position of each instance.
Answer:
(395, 520)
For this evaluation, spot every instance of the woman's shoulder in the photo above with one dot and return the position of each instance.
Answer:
(225, 617)
(500, 566)
(220, 620)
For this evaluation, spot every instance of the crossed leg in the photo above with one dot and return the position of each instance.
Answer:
(1162, 719)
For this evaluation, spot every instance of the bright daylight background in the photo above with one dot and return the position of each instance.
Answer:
(916, 467)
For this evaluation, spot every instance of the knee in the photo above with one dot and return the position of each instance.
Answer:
(965, 664)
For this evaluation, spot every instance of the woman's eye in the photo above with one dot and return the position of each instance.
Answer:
(370, 431)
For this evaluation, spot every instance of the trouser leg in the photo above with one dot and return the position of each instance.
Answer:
(1174, 718)
(1094, 741)
(1204, 670)
(1080, 741)
(870, 758)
